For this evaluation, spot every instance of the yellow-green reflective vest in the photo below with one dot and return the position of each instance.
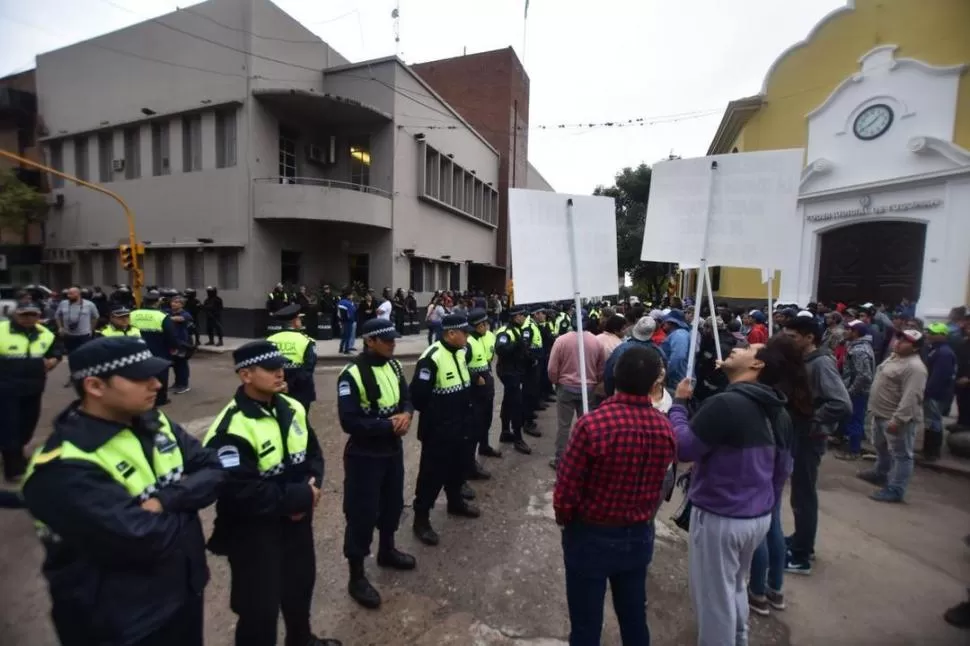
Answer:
(147, 320)
(536, 335)
(513, 332)
(489, 339)
(111, 330)
(123, 458)
(481, 354)
(292, 345)
(388, 381)
(14, 345)
(452, 371)
(264, 436)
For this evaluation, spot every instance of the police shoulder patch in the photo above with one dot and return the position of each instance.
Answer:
(424, 374)
(228, 456)
(343, 389)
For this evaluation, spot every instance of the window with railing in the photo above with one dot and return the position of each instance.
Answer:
(446, 183)
(360, 161)
(57, 163)
(287, 165)
(81, 157)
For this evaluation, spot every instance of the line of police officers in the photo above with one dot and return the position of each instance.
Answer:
(117, 487)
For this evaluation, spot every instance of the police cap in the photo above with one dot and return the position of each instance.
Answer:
(121, 356)
(152, 296)
(258, 353)
(379, 329)
(29, 307)
(515, 310)
(477, 316)
(455, 322)
(121, 310)
(287, 313)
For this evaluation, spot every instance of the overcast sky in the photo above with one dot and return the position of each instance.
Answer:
(589, 62)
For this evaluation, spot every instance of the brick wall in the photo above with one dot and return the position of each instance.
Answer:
(490, 90)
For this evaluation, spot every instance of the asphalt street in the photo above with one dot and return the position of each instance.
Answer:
(884, 573)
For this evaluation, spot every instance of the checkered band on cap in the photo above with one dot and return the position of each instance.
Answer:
(384, 330)
(275, 354)
(456, 326)
(113, 365)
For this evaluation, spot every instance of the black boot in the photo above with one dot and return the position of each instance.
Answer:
(479, 473)
(422, 529)
(467, 493)
(958, 615)
(360, 588)
(532, 429)
(395, 559)
(487, 451)
(932, 445)
(520, 445)
(465, 510)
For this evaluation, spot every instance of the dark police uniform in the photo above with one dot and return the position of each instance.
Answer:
(531, 383)
(158, 332)
(111, 329)
(481, 350)
(300, 353)
(513, 345)
(441, 390)
(369, 392)
(265, 512)
(23, 376)
(119, 574)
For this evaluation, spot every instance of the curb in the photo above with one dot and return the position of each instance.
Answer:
(943, 467)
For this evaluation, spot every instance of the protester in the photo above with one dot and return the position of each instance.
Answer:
(896, 407)
(614, 331)
(676, 346)
(642, 334)
(739, 441)
(768, 565)
(860, 365)
(564, 373)
(76, 320)
(182, 326)
(941, 363)
(758, 331)
(609, 487)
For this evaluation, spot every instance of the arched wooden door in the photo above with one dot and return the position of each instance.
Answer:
(872, 261)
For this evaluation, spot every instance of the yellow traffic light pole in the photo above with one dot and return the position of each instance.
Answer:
(137, 276)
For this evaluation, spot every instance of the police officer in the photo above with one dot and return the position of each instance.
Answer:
(158, 332)
(481, 350)
(531, 384)
(193, 306)
(28, 351)
(265, 511)
(116, 491)
(375, 411)
(513, 343)
(441, 390)
(120, 324)
(300, 352)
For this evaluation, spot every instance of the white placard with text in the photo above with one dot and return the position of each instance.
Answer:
(754, 206)
(539, 238)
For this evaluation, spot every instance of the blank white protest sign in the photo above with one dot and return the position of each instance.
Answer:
(539, 238)
(754, 206)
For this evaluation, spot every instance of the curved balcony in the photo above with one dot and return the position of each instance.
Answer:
(322, 200)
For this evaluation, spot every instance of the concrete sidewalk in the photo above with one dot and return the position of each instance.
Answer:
(408, 347)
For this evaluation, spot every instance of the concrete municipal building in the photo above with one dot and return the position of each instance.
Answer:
(879, 97)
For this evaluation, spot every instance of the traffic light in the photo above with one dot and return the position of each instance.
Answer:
(127, 257)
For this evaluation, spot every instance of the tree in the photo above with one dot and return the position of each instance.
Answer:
(20, 204)
(631, 190)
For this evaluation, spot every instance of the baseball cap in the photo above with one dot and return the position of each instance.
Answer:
(913, 336)
(938, 328)
(644, 328)
(859, 327)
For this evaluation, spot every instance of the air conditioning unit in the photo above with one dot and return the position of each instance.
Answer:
(322, 154)
(117, 165)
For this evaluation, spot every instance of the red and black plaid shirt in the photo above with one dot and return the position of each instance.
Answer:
(613, 469)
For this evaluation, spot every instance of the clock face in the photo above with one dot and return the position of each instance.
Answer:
(873, 121)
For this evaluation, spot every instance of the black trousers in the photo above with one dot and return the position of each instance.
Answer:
(807, 457)
(530, 392)
(162, 396)
(483, 405)
(444, 464)
(512, 412)
(963, 405)
(18, 419)
(73, 342)
(373, 497)
(213, 328)
(184, 628)
(273, 569)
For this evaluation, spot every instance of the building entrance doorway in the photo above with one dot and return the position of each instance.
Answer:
(358, 269)
(872, 261)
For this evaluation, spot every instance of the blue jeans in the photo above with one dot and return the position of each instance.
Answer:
(856, 424)
(933, 414)
(594, 555)
(434, 331)
(769, 558)
(180, 366)
(894, 453)
(347, 330)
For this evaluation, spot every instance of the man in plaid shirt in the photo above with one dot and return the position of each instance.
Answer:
(610, 485)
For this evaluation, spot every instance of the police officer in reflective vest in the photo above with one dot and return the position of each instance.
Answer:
(481, 350)
(28, 351)
(375, 411)
(441, 391)
(265, 512)
(300, 353)
(116, 491)
(531, 384)
(563, 322)
(120, 324)
(513, 343)
(158, 332)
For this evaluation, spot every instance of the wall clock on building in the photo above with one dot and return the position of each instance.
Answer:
(873, 121)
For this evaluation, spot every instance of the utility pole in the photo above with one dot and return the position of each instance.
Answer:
(136, 248)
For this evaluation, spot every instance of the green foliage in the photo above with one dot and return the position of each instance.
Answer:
(20, 204)
(631, 190)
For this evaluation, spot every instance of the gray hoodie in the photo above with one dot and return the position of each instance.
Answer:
(830, 399)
